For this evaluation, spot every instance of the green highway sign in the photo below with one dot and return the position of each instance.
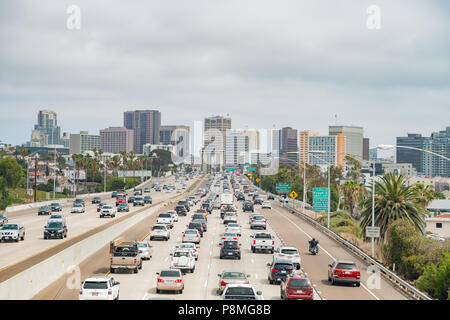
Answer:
(283, 187)
(246, 164)
(231, 169)
(320, 199)
(251, 169)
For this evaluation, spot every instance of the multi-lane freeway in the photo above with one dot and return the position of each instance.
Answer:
(202, 284)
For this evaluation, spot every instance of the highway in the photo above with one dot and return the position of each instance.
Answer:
(15, 257)
(203, 283)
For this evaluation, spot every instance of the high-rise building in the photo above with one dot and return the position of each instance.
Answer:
(434, 166)
(366, 143)
(172, 134)
(353, 138)
(373, 154)
(145, 124)
(214, 141)
(242, 146)
(304, 145)
(47, 125)
(82, 142)
(216, 122)
(117, 139)
(65, 140)
(415, 157)
(288, 146)
(333, 148)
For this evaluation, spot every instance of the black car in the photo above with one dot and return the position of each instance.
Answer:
(203, 222)
(280, 270)
(207, 206)
(270, 197)
(240, 197)
(44, 210)
(148, 199)
(131, 199)
(114, 194)
(96, 200)
(181, 210)
(248, 206)
(184, 203)
(230, 249)
(196, 225)
(55, 207)
(55, 229)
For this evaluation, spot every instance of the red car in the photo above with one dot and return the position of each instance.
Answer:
(120, 200)
(344, 271)
(296, 287)
(99, 207)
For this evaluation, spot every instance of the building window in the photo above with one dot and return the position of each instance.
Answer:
(439, 225)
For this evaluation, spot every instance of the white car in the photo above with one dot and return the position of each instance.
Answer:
(238, 291)
(99, 288)
(174, 215)
(166, 219)
(145, 250)
(190, 246)
(191, 235)
(12, 231)
(108, 210)
(160, 231)
(77, 208)
(266, 205)
(289, 253)
(228, 236)
(233, 227)
(57, 217)
(182, 259)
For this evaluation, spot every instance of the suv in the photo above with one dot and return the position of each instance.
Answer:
(138, 201)
(240, 291)
(12, 231)
(166, 219)
(296, 287)
(182, 259)
(262, 241)
(77, 208)
(248, 206)
(230, 249)
(96, 200)
(196, 225)
(107, 210)
(344, 271)
(120, 200)
(99, 288)
(148, 199)
(44, 210)
(258, 221)
(55, 229)
(290, 253)
(123, 207)
(160, 231)
(279, 270)
(181, 210)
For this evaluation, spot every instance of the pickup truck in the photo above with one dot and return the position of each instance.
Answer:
(125, 256)
(166, 219)
(12, 231)
(262, 241)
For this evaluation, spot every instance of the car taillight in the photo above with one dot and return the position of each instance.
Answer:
(264, 221)
(109, 292)
(337, 272)
(178, 281)
(273, 242)
(197, 236)
(223, 283)
(135, 260)
(254, 241)
(297, 255)
(81, 291)
(281, 255)
(184, 235)
(160, 280)
(290, 270)
(253, 220)
(111, 260)
(275, 270)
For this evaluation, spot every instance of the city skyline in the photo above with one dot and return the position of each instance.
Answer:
(281, 68)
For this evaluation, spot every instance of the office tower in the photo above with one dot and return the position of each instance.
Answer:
(333, 146)
(304, 145)
(373, 154)
(366, 142)
(65, 140)
(214, 141)
(79, 143)
(415, 157)
(353, 138)
(243, 146)
(288, 146)
(145, 124)
(171, 134)
(47, 124)
(215, 122)
(117, 139)
(435, 166)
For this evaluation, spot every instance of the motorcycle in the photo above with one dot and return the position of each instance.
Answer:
(314, 250)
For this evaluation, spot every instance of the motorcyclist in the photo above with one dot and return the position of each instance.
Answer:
(313, 244)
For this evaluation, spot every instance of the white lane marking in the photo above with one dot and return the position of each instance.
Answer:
(367, 289)
(253, 261)
(256, 276)
(206, 283)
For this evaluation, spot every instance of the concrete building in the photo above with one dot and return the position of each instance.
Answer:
(366, 152)
(440, 184)
(334, 147)
(47, 125)
(304, 145)
(288, 146)
(82, 142)
(145, 124)
(353, 137)
(239, 145)
(117, 139)
(439, 225)
(214, 141)
(405, 169)
(177, 136)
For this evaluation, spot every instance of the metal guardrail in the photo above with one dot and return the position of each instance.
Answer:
(408, 288)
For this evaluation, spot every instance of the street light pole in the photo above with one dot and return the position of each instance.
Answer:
(329, 194)
(373, 207)
(54, 176)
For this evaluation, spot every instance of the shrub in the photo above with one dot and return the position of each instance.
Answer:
(435, 280)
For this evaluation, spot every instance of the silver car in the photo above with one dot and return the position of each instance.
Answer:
(77, 208)
(190, 246)
(191, 235)
(170, 279)
(234, 227)
(258, 221)
(145, 250)
(231, 277)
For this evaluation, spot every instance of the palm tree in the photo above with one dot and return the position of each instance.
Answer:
(114, 164)
(131, 157)
(352, 191)
(393, 201)
(124, 156)
(424, 194)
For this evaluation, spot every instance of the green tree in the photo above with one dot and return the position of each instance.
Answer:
(393, 201)
(352, 191)
(424, 194)
(436, 279)
(10, 175)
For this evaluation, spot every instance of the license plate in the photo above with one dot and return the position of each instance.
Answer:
(283, 272)
(169, 281)
(299, 291)
(347, 272)
(230, 253)
(95, 293)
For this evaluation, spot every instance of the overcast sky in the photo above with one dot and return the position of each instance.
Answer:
(265, 63)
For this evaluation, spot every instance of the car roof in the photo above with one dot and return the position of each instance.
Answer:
(239, 285)
(345, 261)
(98, 278)
(282, 260)
(287, 247)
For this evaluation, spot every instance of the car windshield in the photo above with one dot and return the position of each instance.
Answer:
(124, 252)
(239, 291)
(233, 275)
(77, 205)
(229, 234)
(54, 225)
(233, 225)
(10, 227)
(230, 244)
(289, 251)
(194, 225)
(178, 254)
(164, 215)
(190, 232)
(2, 215)
(258, 217)
(170, 274)
(283, 266)
(187, 245)
(348, 266)
(263, 236)
(299, 283)
(95, 285)
(44, 208)
(158, 227)
(55, 204)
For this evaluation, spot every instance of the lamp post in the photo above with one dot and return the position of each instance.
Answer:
(54, 177)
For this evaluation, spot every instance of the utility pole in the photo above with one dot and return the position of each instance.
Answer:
(373, 208)
(54, 176)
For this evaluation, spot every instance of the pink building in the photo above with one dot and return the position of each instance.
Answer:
(116, 139)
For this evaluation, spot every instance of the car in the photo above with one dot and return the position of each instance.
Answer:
(114, 194)
(181, 210)
(344, 271)
(99, 206)
(262, 241)
(12, 231)
(174, 215)
(190, 246)
(279, 269)
(160, 231)
(236, 291)
(125, 256)
(158, 188)
(138, 192)
(146, 190)
(290, 253)
(77, 208)
(240, 197)
(203, 212)
(148, 199)
(165, 219)
(123, 207)
(229, 217)
(3, 219)
(257, 200)
(96, 200)
(55, 207)
(230, 249)
(228, 235)
(182, 259)
(79, 201)
(258, 222)
(108, 210)
(191, 235)
(296, 287)
(196, 225)
(56, 217)
(198, 216)
(131, 199)
(169, 280)
(284, 200)
(145, 250)
(248, 206)
(55, 229)
(231, 277)
(270, 197)
(203, 222)
(234, 227)
(185, 203)
(44, 210)
(120, 200)
(138, 201)
(99, 288)
(266, 205)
